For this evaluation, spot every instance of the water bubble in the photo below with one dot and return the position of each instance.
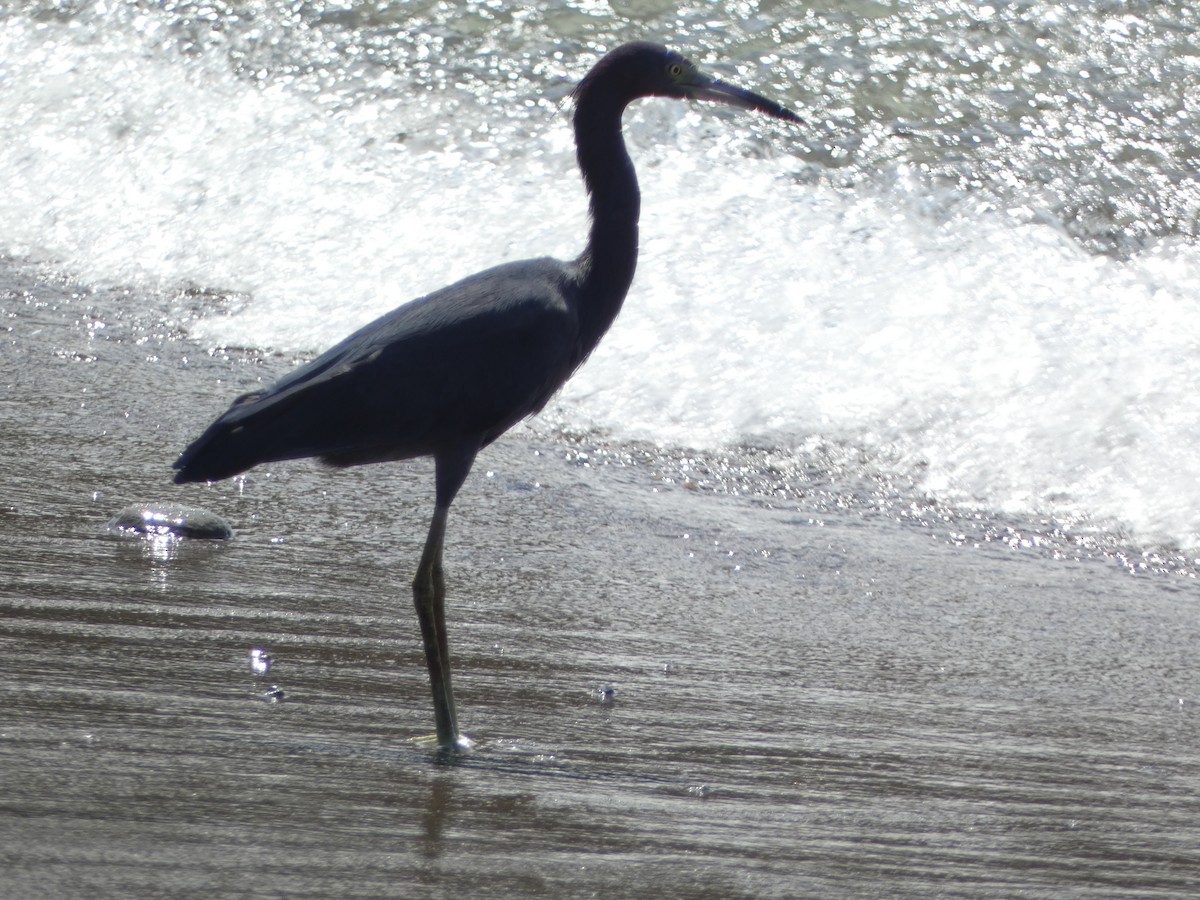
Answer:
(260, 661)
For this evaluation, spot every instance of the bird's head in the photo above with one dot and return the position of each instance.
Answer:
(650, 70)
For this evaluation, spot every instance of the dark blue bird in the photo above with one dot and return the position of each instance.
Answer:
(447, 374)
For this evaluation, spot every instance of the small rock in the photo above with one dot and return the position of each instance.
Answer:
(177, 521)
(605, 693)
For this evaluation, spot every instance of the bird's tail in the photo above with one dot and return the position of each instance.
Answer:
(255, 429)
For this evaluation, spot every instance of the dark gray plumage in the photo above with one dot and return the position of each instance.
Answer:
(447, 374)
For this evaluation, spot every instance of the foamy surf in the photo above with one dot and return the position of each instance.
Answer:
(977, 348)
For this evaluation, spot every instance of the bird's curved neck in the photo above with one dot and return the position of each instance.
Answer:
(608, 263)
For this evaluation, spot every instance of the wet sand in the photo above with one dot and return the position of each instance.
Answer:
(811, 700)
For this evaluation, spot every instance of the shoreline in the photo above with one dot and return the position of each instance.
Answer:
(812, 698)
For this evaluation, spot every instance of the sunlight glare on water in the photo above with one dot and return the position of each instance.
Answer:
(716, 630)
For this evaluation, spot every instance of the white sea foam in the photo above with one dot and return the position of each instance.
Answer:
(980, 347)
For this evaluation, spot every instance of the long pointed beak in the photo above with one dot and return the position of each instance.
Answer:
(705, 88)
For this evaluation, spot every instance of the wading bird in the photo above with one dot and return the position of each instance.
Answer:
(447, 374)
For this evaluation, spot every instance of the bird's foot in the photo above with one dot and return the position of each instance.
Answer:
(462, 744)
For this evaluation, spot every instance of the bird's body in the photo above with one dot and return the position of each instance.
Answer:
(510, 335)
(447, 374)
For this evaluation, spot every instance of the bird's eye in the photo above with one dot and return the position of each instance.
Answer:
(675, 70)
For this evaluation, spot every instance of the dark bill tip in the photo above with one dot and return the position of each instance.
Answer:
(722, 92)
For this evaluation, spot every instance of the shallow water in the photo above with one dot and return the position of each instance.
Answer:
(808, 702)
(894, 626)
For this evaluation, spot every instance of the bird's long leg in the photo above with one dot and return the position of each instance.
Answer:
(429, 597)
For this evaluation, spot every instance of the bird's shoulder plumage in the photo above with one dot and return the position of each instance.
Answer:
(514, 320)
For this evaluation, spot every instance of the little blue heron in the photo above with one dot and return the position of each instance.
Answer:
(447, 374)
